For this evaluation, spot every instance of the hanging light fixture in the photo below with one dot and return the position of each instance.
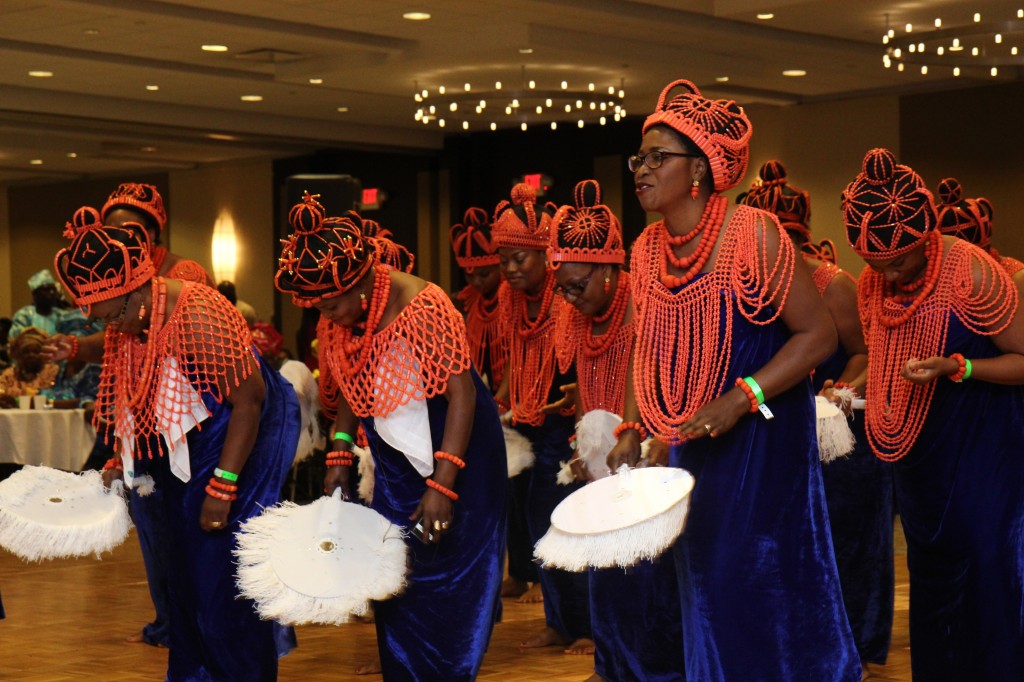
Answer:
(530, 102)
(974, 44)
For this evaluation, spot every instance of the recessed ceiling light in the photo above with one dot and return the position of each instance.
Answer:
(91, 31)
(152, 88)
(147, 149)
(316, 81)
(40, 74)
(36, 162)
(215, 48)
(722, 79)
(416, 16)
(526, 50)
(221, 136)
(252, 98)
(342, 110)
(72, 155)
(765, 16)
(794, 73)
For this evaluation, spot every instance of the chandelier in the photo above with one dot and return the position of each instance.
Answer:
(977, 47)
(524, 104)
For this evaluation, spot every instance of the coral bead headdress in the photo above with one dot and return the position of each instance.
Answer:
(962, 218)
(102, 262)
(887, 209)
(718, 127)
(137, 196)
(518, 224)
(792, 206)
(472, 242)
(390, 252)
(588, 232)
(318, 260)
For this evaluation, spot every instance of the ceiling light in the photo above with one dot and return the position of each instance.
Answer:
(526, 50)
(416, 16)
(36, 162)
(529, 101)
(342, 110)
(316, 81)
(215, 48)
(41, 74)
(152, 88)
(252, 98)
(722, 79)
(72, 155)
(91, 31)
(984, 40)
(794, 73)
(221, 136)
(765, 16)
(148, 150)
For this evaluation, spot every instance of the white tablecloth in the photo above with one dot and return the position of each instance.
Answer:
(55, 438)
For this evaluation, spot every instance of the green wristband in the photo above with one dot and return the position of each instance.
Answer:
(967, 370)
(758, 393)
(341, 435)
(226, 475)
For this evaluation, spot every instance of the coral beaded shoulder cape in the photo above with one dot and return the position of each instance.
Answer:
(154, 385)
(412, 358)
(684, 339)
(965, 282)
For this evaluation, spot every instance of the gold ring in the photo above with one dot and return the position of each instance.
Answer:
(444, 524)
(707, 427)
(437, 526)
(216, 524)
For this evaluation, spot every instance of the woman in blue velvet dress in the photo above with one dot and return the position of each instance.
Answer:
(537, 388)
(858, 487)
(187, 393)
(731, 331)
(944, 399)
(634, 611)
(394, 357)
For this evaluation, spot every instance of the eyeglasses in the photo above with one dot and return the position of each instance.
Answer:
(575, 290)
(654, 159)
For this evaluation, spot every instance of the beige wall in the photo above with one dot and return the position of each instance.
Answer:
(822, 146)
(243, 190)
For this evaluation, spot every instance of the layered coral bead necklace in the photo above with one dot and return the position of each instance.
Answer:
(708, 229)
(899, 327)
(137, 360)
(486, 328)
(532, 351)
(602, 361)
(355, 347)
(685, 325)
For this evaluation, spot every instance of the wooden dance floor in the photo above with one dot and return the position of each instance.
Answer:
(67, 620)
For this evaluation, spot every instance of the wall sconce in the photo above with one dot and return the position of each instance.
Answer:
(225, 248)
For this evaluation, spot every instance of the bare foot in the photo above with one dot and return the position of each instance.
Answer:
(534, 595)
(369, 668)
(581, 647)
(137, 638)
(546, 637)
(595, 678)
(513, 588)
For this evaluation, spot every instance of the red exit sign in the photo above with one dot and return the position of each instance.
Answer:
(373, 197)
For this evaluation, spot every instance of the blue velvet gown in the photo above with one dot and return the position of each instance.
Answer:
(566, 595)
(960, 492)
(439, 627)
(637, 626)
(215, 635)
(858, 490)
(758, 583)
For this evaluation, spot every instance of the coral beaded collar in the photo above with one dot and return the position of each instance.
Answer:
(487, 331)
